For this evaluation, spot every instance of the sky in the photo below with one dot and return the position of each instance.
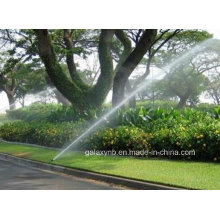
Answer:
(4, 101)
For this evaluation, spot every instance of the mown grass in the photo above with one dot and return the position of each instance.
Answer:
(193, 175)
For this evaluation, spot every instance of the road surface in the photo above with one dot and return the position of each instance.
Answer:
(16, 177)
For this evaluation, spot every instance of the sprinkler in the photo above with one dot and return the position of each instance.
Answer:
(94, 126)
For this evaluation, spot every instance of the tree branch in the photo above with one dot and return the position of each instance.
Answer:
(68, 40)
(120, 34)
(104, 82)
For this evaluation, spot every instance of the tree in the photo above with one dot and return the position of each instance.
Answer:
(92, 71)
(25, 42)
(11, 57)
(162, 38)
(81, 95)
(7, 80)
(130, 60)
(29, 80)
(18, 80)
(58, 47)
(213, 89)
(185, 83)
(185, 79)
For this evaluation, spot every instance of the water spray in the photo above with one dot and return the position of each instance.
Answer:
(194, 50)
(102, 119)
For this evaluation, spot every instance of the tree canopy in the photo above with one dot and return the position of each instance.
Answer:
(31, 60)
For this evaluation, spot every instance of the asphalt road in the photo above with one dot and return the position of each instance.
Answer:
(15, 177)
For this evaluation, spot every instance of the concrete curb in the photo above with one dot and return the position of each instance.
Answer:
(135, 184)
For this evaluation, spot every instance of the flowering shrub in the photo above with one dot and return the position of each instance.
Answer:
(194, 131)
(42, 133)
(203, 137)
(120, 138)
(139, 129)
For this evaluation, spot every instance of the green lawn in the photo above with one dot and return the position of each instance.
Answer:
(196, 175)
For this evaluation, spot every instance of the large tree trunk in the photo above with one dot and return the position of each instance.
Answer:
(118, 89)
(130, 64)
(185, 97)
(81, 97)
(11, 101)
(60, 98)
(68, 39)
(182, 102)
(97, 94)
(132, 100)
(216, 97)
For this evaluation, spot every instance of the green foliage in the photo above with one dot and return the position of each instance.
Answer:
(206, 107)
(41, 133)
(174, 129)
(130, 129)
(83, 40)
(61, 114)
(132, 117)
(29, 79)
(146, 117)
(156, 104)
(68, 113)
(186, 79)
(121, 138)
(203, 137)
(52, 113)
(4, 119)
(212, 109)
(20, 70)
(34, 112)
(216, 112)
(213, 89)
(179, 44)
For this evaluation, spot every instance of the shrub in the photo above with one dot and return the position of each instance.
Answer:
(212, 109)
(134, 129)
(4, 119)
(203, 137)
(131, 117)
(157, 104)
(120, 138)
(52, 113)
(34, 112)
(67, 113)
(42, 133)
(172, 129)
(144, 117)
(206, 107)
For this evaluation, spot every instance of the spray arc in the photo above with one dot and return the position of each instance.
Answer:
(198, 48)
